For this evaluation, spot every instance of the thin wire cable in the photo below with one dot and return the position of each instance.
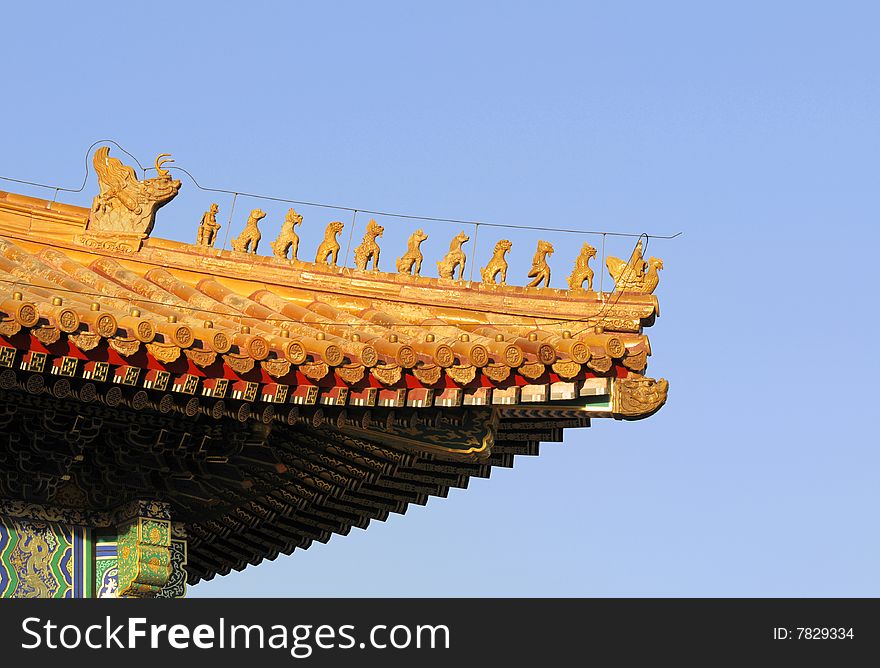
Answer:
(473, 253)
(229, 222)
(321, 204)
(354, 211)
(350, 235)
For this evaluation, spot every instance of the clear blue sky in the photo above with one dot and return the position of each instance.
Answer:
(751, 127)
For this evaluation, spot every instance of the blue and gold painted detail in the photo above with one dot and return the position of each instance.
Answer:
(106, 566)
(107, 569)
(44, 560)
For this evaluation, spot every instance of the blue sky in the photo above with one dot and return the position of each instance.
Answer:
(751, 127)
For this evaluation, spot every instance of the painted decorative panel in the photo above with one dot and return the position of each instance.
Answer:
(107, 569)
(45, 560)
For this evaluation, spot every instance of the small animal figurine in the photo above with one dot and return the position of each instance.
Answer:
(582, 271)
(497, 265)
(288, 240)
(454, 258)
(328, 251)
(411, 261)
(369, 249)
(249, 239)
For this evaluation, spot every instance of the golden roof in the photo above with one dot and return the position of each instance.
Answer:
(395, 385)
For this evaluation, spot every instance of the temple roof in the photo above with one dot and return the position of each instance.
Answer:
(275, 401)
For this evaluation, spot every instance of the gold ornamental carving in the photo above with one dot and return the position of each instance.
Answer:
(636, 361)
(407, 357)
(540, 270)
(637, 397)
(208, 227)
(276, 367)
(328, 250)
(636, 275)
(454, 258)
(600, 364)
(411, 261)
(239, 363)
(145, 331)
(68, 321)
(288, 239)
(46, 335)
(201, 358)
(387, 374)
(427, 374)
(444, 356)
(124, 346)
(614, 347)
(106, 325)
(85, 341)
(25, 314)
(566, 369)
(497, 372)
(532, 370)
(582, 271)
(118, 242)
(124, 204)
(369, 248)
(163, 352)
(351, 374)
(314, 370)
(9, 327)
(513, 356)
(462, 374)
(497, 265)
(249, 239)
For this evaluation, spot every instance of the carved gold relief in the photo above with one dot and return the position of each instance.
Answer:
(314, 370)
(119, 242)
(600, 364)
(276, 367)
(249, 239)
(582, 271)
(125, 204)
(351, 374)
(328, 251)
(288, 240)
(637, 397)
(9, 327)
(636, 361)
(239, 363)
(428, 374)
(164, 352)
(201, 358)
(85, 341)
(532, 370)
(46, 335)
(497, 372)
(540, 270)
(387, 374)
(635, 275)
(125, 347)
(411, 261)
(497, 265)
(106, 325)
(462, 373)
(566, 369)
(208, 227)
(369, 248)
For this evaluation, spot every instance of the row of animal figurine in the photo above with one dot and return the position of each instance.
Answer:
(633, 276)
